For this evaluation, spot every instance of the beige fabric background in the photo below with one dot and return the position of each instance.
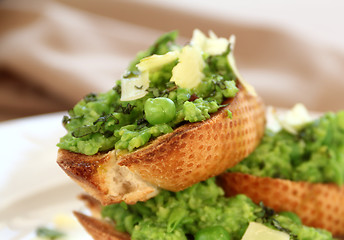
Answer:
(54, 52)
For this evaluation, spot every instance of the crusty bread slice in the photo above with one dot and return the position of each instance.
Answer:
(318, 205)
(104, 179)
(97, 227)
(191, 153)
(100, 229)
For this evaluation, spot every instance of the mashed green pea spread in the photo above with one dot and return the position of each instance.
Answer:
(314, 154)
(202, 210)
(191, 82)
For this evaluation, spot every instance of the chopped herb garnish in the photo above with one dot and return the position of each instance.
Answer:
(162, 93)
(141, 123)
(118, 87)
(90, 97)
(267, 216)
(97, 127)
(67, 119)
(105, 117)
(154, 91)
(128, 108)
(108, 133)
(218, 81)
(125, 109)
(85, 130)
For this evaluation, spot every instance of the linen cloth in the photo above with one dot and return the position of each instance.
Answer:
(52, 53)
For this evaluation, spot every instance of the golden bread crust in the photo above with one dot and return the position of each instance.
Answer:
(92, 204)
(197, 151)
(99, 176)
(83, 169)
(191, 153)
(318, 205)
(99, 229)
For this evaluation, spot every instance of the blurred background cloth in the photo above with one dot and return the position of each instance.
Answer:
(52, 53)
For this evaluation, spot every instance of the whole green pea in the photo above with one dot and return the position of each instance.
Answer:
(159, 110)
(212, 233)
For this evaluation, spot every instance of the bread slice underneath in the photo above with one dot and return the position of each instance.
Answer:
(318, 205)
(100, 229)
(97, 227)
(192, 153)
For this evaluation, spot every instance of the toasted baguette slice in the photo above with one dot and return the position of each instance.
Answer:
(191, 153)
(97, 227)
(100, 229)
(318, 205)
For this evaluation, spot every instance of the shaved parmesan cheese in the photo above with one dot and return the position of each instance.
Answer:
(135, 87)
(232, 63)
(295, 119)
(258, 231)
(212, 34)
(155, 62)
(215, 46)
(198, 39)
(272, 119)
(212, 45)
(188, 72)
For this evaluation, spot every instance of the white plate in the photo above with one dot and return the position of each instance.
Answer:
(33, 189)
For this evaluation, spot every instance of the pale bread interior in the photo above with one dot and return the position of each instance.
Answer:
(126, 184)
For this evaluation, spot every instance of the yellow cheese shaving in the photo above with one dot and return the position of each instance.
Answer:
(155, 62)
(188, 72)
(212, 45)
(258, 231)
(215, 46)
(232, 63)
(135, 87)
(294, 119)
